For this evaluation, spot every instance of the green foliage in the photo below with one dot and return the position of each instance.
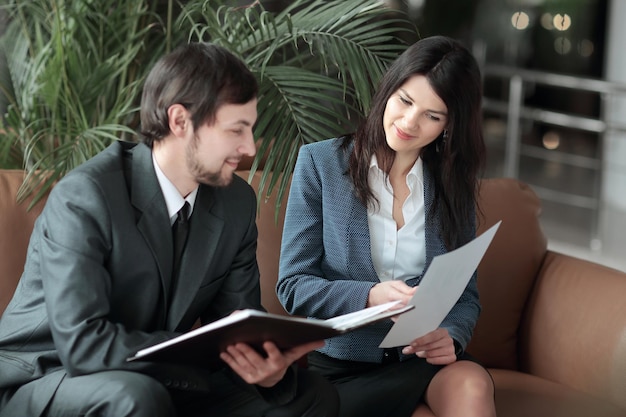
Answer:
(316, 61)
(76, 70)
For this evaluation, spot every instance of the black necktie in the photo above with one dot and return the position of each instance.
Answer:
(180, 230)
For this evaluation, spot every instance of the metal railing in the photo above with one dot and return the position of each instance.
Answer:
(515, 111)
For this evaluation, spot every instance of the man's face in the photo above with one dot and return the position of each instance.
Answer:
(215, 150)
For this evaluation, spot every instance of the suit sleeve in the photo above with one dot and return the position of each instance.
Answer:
(75, 242)
(314, 274)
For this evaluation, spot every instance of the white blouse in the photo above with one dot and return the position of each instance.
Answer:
(397, 254)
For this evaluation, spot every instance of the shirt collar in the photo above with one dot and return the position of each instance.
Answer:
(415, 175)
(374, 162)
(173, 200)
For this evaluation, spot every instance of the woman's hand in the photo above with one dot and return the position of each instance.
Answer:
(437, 347)
(390, 291)
(266, 371)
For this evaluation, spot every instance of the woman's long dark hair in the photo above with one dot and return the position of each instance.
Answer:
(456, 161)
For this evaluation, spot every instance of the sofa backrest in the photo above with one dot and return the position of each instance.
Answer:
(506, 274)
(16, 224)
(270, 229)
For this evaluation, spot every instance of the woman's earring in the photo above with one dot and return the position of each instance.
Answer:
(445, 133)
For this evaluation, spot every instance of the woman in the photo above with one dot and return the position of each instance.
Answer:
(366, 215)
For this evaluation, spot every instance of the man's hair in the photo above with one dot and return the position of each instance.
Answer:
(200, 76)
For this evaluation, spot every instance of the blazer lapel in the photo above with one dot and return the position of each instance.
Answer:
(434, 242)
(152, 218)
(205, 231)
(358, 246)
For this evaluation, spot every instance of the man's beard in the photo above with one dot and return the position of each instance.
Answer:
(214, 179)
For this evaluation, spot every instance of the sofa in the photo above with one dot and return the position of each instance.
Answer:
(552, 330)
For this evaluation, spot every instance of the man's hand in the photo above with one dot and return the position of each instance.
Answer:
(437, 347)
(266, 372)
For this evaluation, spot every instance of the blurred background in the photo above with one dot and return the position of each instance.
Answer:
(554, 108)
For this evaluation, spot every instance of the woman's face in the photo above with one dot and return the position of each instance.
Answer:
(414, 117)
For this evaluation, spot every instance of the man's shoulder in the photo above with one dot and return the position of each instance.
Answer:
(238, 190)
(107, 169)
(112, 156)
(239, 185)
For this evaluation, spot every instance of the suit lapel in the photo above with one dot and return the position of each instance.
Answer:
(205, 231)
(152, 218)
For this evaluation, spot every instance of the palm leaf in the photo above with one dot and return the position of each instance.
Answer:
(317, 63)
(75, 75)
(76, 69)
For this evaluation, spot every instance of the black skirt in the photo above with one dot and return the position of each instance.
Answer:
(393, 388)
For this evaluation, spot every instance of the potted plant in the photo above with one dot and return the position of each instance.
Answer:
(76, 70)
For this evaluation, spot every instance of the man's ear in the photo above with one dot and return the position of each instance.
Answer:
(179, 119)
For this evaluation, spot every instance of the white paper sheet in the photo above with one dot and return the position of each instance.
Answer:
(439, 290)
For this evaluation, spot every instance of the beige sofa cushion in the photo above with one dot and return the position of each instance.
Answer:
(524, 395)
(575, 327)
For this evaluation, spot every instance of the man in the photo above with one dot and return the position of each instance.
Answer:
(100, 280)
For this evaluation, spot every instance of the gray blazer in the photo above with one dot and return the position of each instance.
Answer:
(326, 266)
(96, 285)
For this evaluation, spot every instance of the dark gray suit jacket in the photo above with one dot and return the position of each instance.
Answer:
(96, 285)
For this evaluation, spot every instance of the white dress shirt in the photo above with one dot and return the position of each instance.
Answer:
(173, 200)
(397, 254)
